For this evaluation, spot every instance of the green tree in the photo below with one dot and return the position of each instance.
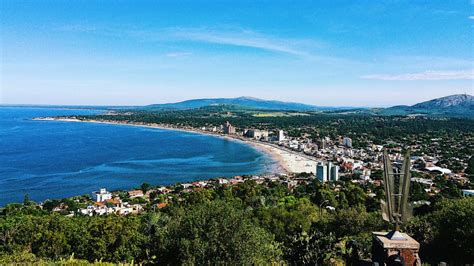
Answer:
(453, 225)
(145, 187)
(470, 168)
(218, 233)
(26, 200)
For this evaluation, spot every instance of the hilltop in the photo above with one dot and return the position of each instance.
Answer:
(244, 102)
(452, 105)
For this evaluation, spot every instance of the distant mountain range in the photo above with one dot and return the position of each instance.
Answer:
(246, 102)
(453, 105)
(459, 105)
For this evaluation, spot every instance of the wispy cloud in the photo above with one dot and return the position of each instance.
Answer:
(242, 38)
(419, 63)
(77, 28)
(230, 36)
(178, 54)
(470, 17)
(427, 75)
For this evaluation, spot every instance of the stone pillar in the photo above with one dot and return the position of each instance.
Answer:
(386, 246)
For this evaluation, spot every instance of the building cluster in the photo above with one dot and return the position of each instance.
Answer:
(256, 134)
(228, 128)
(120, 203)
(252, 133)
(338, 157)
(106, 203)
(360, 163)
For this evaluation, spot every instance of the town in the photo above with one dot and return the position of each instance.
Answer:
(137, 201)
(329, 160)
(324, 200)
(325, 159)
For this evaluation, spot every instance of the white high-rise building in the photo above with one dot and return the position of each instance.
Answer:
(335, 173)
(321, 172)
(281, 135)
(346, 141)
(328, 172)
(329, 166)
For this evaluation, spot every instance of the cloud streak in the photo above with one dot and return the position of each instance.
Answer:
(426, 75)
(232, 37)
(247, 39)
(178, 54)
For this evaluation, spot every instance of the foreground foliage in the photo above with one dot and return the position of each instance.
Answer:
(242, 224)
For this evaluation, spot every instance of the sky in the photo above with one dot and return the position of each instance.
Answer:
(327, 53)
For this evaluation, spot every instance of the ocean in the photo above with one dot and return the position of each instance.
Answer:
(53, 159)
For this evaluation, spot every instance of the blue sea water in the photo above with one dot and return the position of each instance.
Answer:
(53, 159)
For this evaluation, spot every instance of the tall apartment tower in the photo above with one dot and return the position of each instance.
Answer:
(328, 172)
(346, 141)
(322, 144)
(335, 173)
(322, 172)
(329, 166)
(281, 135)
(228, 128)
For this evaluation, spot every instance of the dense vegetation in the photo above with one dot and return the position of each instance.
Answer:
(247, 223)
(376, 128)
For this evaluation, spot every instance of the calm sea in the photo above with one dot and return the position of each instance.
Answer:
(51, 159)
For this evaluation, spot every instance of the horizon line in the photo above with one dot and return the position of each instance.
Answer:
(248, 97)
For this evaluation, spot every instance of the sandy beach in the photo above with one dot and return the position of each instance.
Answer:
(290, 162)
(287, 161)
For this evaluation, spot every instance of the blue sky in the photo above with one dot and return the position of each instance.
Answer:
(331, 53)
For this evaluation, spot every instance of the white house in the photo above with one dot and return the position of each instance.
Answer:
(102, 195)
(468, 192)
(438, 169)
(222, 181)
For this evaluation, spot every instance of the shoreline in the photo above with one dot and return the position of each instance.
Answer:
(286, 162)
